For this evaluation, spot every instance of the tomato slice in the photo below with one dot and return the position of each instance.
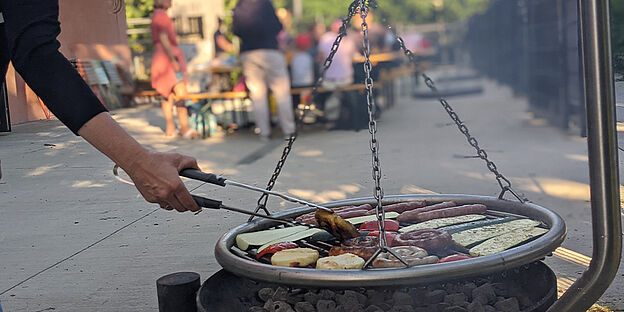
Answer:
(276, 247)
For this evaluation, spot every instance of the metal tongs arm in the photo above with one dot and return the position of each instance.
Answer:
(221, 181)
(216, 204)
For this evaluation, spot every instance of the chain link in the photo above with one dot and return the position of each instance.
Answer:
(262, 201)
(503, 182)
(372, 126)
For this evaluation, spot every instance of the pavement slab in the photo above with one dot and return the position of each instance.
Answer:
(59, 200)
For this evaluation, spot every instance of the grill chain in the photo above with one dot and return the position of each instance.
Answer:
(503, 182)
(262, 201)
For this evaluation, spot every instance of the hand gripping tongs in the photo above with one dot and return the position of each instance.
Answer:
(221, 181)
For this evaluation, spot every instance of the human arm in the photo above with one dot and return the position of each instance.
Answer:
(224, 44)
(168, 47)
(32, 27)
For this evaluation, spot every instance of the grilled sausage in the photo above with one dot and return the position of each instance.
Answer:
(402, 207)
(451, 212)
(360, 251)
(411, 215)
(429, 239)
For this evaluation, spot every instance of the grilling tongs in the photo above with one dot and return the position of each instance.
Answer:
(221, 181)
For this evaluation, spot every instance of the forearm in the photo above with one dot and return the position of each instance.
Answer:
(107, 136)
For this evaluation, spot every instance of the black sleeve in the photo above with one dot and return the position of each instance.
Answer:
(272, 20)
(31, 28)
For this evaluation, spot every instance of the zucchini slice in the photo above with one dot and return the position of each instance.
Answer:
(506, 241)
(244, 240)
(362, 219)
(291, 238)
(471, 225)
(437, 223)
(476, 235)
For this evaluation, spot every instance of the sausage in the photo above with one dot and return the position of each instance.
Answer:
(351, 214)
(402, 207)
(411, 254)
(360, 251)
(411, 215)
(429, 239)
(451, 212)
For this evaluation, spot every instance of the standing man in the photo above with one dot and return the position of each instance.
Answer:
(264, 66)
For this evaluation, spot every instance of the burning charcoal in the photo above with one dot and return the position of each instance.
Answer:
(281, 294)
(361, 298)
(434, 296)
(484, 294)
(508, 305)
(467, 290)
(311, 298)
(304, 307)
(257, 309)
(325, 306)
(476, 307)
(327, 294)
(279, 306)
(501, 289)
(455, 309)
(457, 299)
(373, 308)
(294, 298)
(402, 308)
(401, 298)
(418, 296)
(489, 308)
(265, 294)
(375, 297)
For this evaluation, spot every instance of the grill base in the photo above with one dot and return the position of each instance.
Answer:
(226, 292)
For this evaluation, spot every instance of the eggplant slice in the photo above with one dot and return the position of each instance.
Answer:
(335, 225)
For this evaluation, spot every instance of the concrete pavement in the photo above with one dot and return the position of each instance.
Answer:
(72, 238)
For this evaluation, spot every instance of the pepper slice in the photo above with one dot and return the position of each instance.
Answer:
(390, 225)
(276, 247)
(455, 257)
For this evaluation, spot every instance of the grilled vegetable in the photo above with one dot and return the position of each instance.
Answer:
(297, 257)
(506, 241)
(342, 262)
(359, 220)
(390, 226)
(471, 225)
(276, 247)
(455, 257)
(291, 238)
(335, 225)
(469, 237)
(244, 240)
(322, 236)
(437, 223)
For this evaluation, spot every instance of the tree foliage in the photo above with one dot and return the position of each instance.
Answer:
(617, 34)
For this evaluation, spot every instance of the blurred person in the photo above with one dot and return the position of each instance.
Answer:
(28, 32)
(169, 75)
(376, 32)
(222, 45)
(340, 73)
(285, 41)
(302, 70)
(264, 66)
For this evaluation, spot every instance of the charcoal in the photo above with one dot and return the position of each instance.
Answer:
(375, 297)
(499, 299)
(455, 309)
(434, 296)
(418, 296)
(475, 306)
(438, 307)
(349, 308)
(327, 294)
(326, 306)
(456, 299)
(422, 309)
(311, 297)
(508, 305)
(384, 306)
(292, 298)
(347, 300)
(402, 308)
(489, 308)
(467, 290)
(257, 309)
(281, 294)
(484, 294)
(361, 298)
(524, 300)
(453, 288)
(265, 294)
(268, 304)
(401, 298)
(501, 289)
(304, 307)
(279, 306)
(373, 308)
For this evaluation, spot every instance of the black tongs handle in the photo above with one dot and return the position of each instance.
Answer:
(207, 203)
(202, 176)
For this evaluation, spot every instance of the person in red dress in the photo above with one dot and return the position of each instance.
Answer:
(169, 76)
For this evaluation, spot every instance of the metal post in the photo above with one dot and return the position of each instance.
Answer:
(603, 160)
(5, 119)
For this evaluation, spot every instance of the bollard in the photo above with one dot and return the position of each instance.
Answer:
(177, 291)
